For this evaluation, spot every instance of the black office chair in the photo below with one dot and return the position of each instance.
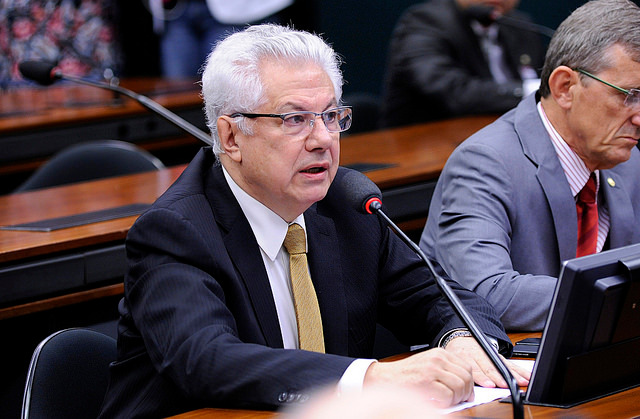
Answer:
(91, 160)
(68, 375)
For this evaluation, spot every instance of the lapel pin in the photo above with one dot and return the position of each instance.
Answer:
(611, 182)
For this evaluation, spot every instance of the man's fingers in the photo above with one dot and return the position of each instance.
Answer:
(486, 374)
(443, 377)
(522, 375)
(447, 392)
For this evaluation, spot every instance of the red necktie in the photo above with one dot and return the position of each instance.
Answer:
(587, 218)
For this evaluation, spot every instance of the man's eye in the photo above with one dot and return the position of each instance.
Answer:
(330, 116)
(295, 119)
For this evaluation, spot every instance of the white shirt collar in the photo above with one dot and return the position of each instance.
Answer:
(482, 31)
(575, 169)
(268, 227)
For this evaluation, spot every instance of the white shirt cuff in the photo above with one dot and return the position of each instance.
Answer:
(353, 377)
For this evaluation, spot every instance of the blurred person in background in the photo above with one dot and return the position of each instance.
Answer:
(452, 58)
(187, 29)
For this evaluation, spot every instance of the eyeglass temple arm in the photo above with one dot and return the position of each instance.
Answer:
(586, 73)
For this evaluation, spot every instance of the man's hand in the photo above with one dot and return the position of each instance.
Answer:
(485, 373)
(443, 377)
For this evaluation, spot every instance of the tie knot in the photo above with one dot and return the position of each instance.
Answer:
(295, 242)
(588, 192)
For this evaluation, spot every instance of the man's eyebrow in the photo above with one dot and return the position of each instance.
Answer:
(294, 107)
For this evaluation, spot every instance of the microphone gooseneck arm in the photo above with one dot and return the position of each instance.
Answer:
(144, 101)
(375, 206)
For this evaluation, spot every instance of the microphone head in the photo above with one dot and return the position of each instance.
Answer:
(486, 15)
(42, 72)
(359, 190)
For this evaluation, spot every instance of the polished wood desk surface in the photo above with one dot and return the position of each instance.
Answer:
(20, 246)
(621, 405)
(418, 152)
(62, 104)
(76, 199)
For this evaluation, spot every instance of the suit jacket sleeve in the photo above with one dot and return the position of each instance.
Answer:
(182, 312)
(471, 235)
(411, 302)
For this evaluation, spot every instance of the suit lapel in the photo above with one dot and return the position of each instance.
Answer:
(326, 274)
(244, 252)
(563, 208)
(538, 148)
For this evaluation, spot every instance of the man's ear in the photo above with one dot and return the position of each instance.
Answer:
(562, 82)
(227, 131)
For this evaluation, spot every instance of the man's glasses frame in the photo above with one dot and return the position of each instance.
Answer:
(632, 98)
(336, 119)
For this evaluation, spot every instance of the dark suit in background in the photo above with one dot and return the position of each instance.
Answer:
(198, 322)
(437, 70)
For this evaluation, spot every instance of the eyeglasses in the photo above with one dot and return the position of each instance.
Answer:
(632, 98)
(294, 123)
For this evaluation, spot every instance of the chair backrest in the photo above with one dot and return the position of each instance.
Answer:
(91, 160)
(68, 375)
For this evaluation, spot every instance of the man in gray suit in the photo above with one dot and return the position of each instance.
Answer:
(503, 217)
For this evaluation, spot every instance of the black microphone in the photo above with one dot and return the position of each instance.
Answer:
(486, 15)
(366, 197)
(46, 73)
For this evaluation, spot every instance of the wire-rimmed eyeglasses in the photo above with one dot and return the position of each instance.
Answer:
(294, 123)
(632, 98)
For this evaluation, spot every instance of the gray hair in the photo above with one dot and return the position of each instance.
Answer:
(584, 39)
(231, 78)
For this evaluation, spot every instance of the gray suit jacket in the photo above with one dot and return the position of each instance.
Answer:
(502, 219)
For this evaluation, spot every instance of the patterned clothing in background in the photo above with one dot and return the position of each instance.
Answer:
(76, 34)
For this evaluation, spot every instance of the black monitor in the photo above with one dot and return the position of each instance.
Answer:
(591, 341)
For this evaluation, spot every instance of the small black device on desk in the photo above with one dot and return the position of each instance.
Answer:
(526, 348)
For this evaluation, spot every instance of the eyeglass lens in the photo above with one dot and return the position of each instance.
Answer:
(633, 98)
(336, 120)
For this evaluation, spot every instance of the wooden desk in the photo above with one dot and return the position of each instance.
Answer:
(416, 155)
(621, 405)
(37, 122)
(94, 254)
(28, 260)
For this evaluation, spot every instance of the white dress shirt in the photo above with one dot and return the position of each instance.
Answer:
(270, 230)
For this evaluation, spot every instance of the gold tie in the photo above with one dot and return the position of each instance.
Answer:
(310, 336)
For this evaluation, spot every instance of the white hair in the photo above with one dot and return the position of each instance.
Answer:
(231, 77)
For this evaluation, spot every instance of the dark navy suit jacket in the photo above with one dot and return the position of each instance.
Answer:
(198, 323)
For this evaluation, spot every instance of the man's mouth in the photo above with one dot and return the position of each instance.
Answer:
(314, 170)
